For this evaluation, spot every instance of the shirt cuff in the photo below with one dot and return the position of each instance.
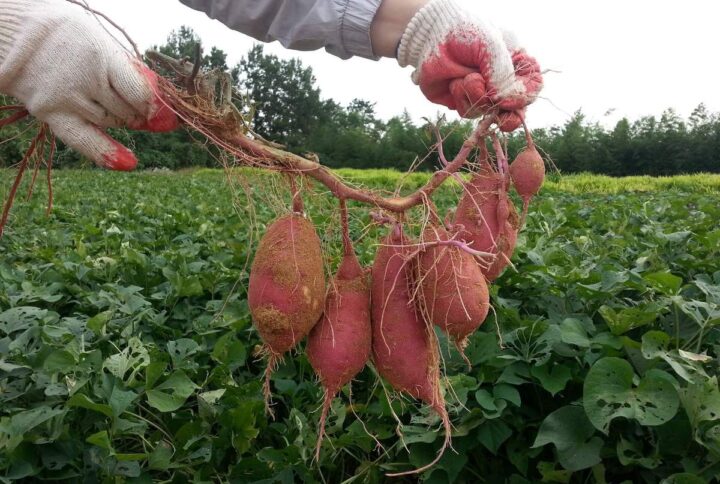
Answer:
(355, 21)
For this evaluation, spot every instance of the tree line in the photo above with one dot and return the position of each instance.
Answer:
(288, 108)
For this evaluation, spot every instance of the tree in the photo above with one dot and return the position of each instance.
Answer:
(287, 103)
(289, 109)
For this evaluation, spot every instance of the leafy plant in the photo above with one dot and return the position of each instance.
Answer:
(126, 348)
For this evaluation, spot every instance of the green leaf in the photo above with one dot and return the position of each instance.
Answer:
(132, 359)
(160, 457)
(183, 285)
(120, 400)
(686, 365)
(553, 378)
(13, 429)
(569, 429)
(623, 320)
(492, 406)
(59, 361)
(508, 393)
(127, 469)
(482, 347)
(97, 323)
(102, 440)
(515, 374)
(180, 350)
(153, 372)
(702, 401)
(630, 454)
(461, 385)
(684, 478)
(229, 351)
(172, 393)
(572, 332)
(492, 434)
(550, 473)
(130, 457)
(609, 393)
(452, 463)
(485, 399)
(83, 401)
(21, 318)
(664, 282)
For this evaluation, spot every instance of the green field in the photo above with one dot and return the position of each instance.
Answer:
(127, 349)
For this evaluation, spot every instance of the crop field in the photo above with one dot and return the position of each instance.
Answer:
(127, 352)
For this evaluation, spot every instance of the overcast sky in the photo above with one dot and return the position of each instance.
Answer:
(627, 57)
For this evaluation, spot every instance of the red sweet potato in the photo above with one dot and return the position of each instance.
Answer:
(286, 293)
(488, 218)
(339, 345)
(528, 174)
(452, 287)
(405, 351)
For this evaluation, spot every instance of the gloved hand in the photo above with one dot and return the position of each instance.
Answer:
(70, 73)
(469, 65)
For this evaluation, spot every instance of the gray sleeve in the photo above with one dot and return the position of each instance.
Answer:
(342, 27)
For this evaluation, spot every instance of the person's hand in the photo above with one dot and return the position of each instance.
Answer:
(69, 72)
(469, 65)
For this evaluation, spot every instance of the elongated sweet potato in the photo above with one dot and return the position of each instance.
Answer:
(488, 219)
(405, 351)
(339, 345)
(286, 293)
(452, 287)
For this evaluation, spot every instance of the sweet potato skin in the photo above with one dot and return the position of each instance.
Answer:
(402, 351)
(339, 345)
(528, 173)
(405, 351)
(477, 209)
(453, 288)
(286, 293)
(488, 219)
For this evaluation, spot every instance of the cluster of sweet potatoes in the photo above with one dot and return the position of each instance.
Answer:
(387, 314)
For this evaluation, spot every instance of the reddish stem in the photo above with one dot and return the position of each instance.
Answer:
(347, 241)
(39, 153)
(12, 107)
(289, 162)
(528, 136)
(439, 146)
(49, 164)
(297, 202)
(15, 117)
(502, 161)
(382, 219)
(16, 184)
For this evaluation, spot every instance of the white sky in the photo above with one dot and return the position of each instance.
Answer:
(636, 57)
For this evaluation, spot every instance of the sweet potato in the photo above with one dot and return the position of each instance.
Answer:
(286, 293)
(405, 350)
(488, 219)
(339, 345)
(452, 287)
(528, 174)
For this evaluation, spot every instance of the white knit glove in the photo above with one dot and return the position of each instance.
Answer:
(70, 73)
(468, 64)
